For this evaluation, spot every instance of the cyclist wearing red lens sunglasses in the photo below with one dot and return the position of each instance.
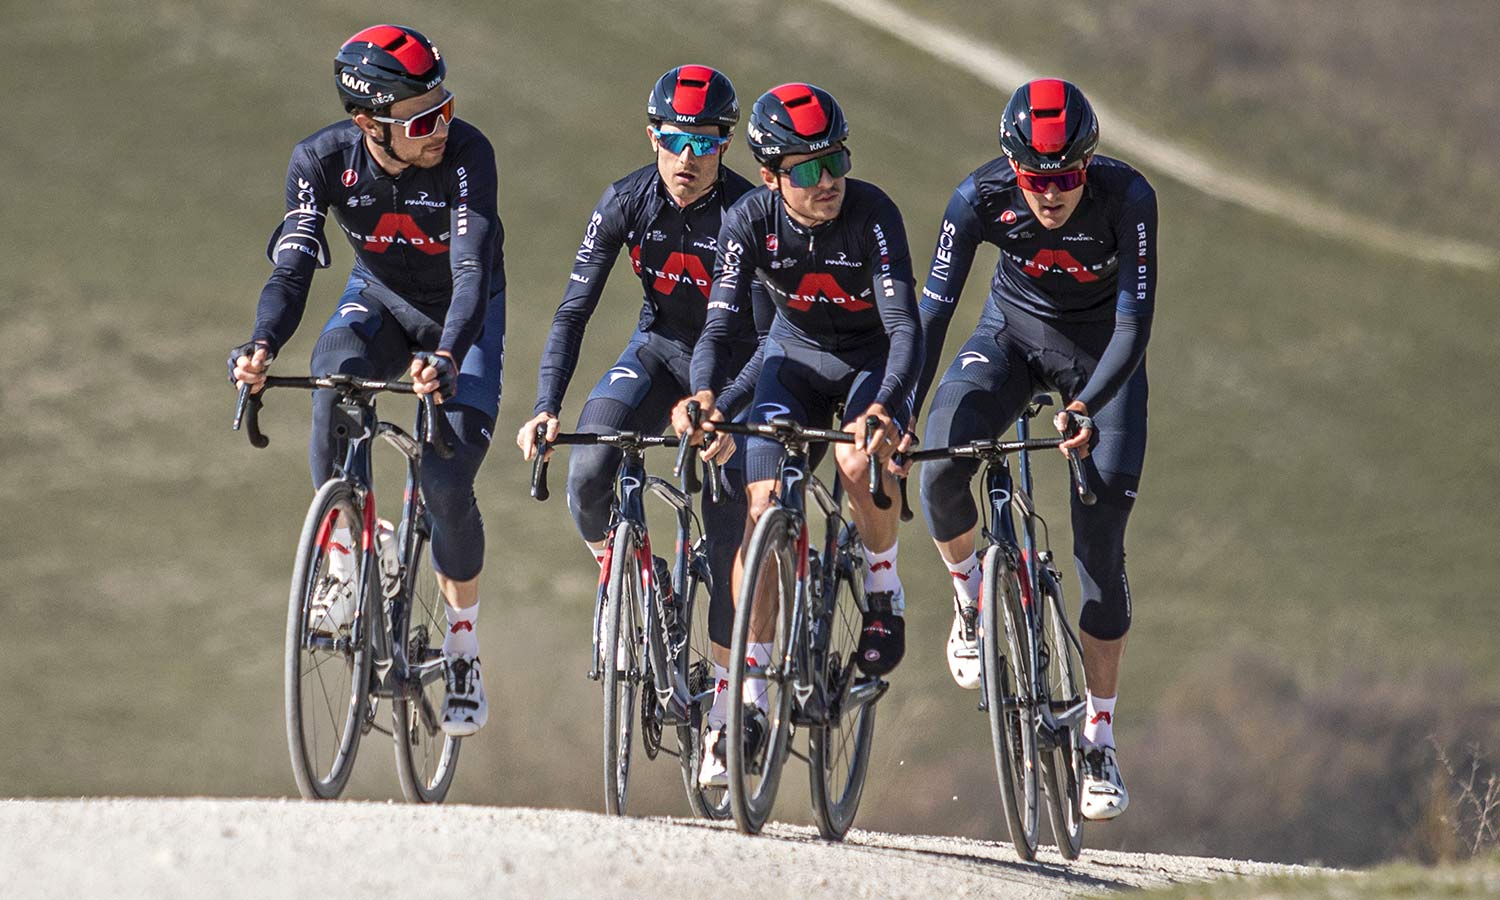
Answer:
(1070, 310)
(666, 215)
(840, 324)
(413, 189)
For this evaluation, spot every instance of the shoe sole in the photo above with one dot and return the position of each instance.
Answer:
(1107, 814)
(460, 729)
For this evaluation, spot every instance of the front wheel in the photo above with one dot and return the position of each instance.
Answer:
(758, 730)
(1062, 767)
(1004, 648)
(838, 751)
(621, 655)
(328, 642)
(426, 757)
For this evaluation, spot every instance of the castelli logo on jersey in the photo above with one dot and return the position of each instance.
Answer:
(1008, 217)
(772, 243)
(349, 177)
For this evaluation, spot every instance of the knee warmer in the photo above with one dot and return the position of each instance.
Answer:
(448, 489)
(1099, 554)
(947, 501)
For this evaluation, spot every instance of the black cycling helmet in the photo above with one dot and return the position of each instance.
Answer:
(694, 95)
(384, 64)
(1048, 124)
(794, 118)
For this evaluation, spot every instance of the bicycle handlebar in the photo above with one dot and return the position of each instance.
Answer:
(787, 431)
(247, 408)
(996, 447)
(627, 440)
(691, 483)
(877, 486)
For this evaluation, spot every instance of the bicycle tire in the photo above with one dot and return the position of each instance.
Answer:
(840, 746)
(320, 766)
(620, 650)
(1062, 766)
(770, 548)
(426, 757)
(697, 665)
(1003, 648)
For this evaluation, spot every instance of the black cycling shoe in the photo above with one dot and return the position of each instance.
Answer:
(882, 640)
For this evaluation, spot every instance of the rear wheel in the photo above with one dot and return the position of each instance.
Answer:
(839, 750)
(1062, 766)
(755, 770)
(698, 667)
(426, 758)
(327, 652)
(621, 652)
(1003, 640)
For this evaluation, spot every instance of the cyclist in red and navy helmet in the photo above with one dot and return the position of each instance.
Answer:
(413, 190)
(665, 216)
(1069, 310)
(840, 317)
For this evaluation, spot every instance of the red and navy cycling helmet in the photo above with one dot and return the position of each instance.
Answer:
(794, 118)
(694, 95)
(385, 64)
(1048, 124)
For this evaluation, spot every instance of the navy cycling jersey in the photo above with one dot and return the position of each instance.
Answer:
(432, 236)
(672, 250)
(840, 286)
(1100, 266)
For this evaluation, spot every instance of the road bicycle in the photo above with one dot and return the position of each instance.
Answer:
(817, 597)
(390, 646)
(650, 632)
(1031, 670)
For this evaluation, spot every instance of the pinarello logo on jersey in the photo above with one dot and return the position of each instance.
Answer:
(1008, 217)
(772, 243)
(349, 177)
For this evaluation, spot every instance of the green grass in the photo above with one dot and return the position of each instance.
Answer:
(1318, 498)
(1479, 878)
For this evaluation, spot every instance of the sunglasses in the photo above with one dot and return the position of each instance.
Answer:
(674, 142)
(808, 173)
(1037, 182)
(424, 123)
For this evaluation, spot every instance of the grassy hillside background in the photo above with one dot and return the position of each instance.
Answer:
(1312, 556)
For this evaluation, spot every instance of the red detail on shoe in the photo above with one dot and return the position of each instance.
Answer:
(883, 564)
(456, 627)
(1102, 716)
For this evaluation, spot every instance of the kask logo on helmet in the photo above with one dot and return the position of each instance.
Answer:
(354, 84)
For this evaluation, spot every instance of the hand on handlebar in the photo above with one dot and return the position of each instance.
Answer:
(880, 442)
(248, 364)
(526, 437)
(714, 450)
(908, 440)
(1074, 424)
(434, 372)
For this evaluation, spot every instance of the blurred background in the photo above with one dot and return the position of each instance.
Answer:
(1313, 556)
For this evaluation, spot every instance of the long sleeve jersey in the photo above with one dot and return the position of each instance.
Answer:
(838, 286)
(433, 236)
(1100, 266)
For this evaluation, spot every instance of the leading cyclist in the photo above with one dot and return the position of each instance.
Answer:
(832, 256)
(1070, 310)
(667, 213)
(413, 189)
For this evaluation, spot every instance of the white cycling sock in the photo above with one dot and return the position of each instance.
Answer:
(719, 712)
(1099, 721)
(966, 578)
(755, 688)
(881, 572)
(461, 640)
(598, 552)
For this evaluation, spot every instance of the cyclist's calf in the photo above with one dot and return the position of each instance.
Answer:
(448, 488)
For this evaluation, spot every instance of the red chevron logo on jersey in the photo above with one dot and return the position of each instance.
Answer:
(1046, 260)
(679, 268)
(399, 228)
(820, 287)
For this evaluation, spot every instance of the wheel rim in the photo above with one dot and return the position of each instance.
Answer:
(698, 663)
(841, 757)
(328, 671)
(621, 652)
(426, 755)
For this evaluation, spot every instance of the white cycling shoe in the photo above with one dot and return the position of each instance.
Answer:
(333, 605)
(465, 709)
(963, 647)
(713, 772)
(1104, 794)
